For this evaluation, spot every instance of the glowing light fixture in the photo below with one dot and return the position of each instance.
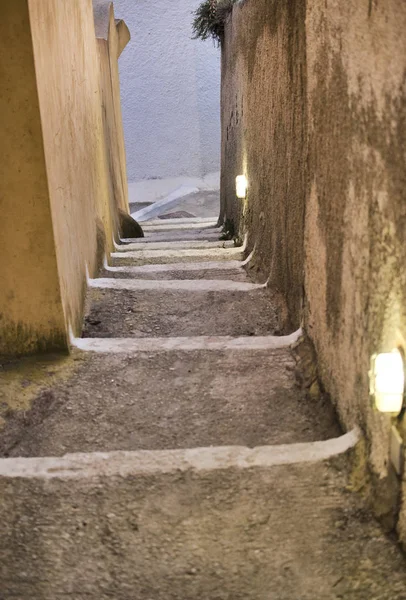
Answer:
(387, 378)
(241, 186)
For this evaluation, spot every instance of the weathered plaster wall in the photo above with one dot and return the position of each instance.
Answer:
(63, 175)
(112, 37)
(66, 61)
(342, 158)
(170, 92)
(356, 212)
(31, 316)
(264, 137)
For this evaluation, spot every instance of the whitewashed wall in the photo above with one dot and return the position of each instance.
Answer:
(170, 92)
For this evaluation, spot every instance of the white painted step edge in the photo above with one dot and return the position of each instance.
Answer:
(171, 267)
(182, 221)
(208, 253)
(186, 285)
(169, 344)
(176, 236)
(200, 460)
(174, 245)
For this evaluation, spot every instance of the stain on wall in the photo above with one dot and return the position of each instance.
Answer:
(264, 136)
(63, 176)
(355, 222)
(314, 112)
(31, 316)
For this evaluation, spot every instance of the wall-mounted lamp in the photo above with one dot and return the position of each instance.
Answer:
(387, 381)
(241, 184)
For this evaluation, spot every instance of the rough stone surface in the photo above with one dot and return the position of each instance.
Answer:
(229, 274)
(264, 137)
(217, 535)
(219, 523)
(114, 313)
(314, 112)
(170, 400)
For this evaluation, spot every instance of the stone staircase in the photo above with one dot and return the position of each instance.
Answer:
(179, 459)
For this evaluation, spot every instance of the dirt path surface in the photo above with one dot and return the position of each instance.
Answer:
(121, 313)
(171, 400)
(138, 475)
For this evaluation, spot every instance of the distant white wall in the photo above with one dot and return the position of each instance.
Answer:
(170, 92)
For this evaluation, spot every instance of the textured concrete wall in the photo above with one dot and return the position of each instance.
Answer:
(63, 175)
(170, 92)
(264, 137)
(355, 222)
(31, 316)
(326, 83)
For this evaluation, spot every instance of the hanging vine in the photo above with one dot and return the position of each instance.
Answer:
(209, 19)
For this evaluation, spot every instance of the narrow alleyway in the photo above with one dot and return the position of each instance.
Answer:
(244, 492)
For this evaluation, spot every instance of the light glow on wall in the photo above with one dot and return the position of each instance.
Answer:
(387, 379)
(241, 184)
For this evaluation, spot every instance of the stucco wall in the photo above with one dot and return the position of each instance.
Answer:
(66, 61)
(264, 137)
(170, 92)
(355, 221)
(112, 37)
(341, 157)
(31, 316)
(63, 175)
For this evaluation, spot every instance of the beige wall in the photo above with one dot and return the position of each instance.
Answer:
(63, 175)
(264, 137)
(112, 37)
(355, 221)
(67, 69)
(31, 316)
(342, 159)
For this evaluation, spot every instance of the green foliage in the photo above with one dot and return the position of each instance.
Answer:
(209, 19)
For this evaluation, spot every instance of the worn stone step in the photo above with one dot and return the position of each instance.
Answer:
(215, 524)
(177, 271)
(187, 285)
(166, 313)
(172, 399)
(168, 236)
(203, 221)
(168, 226)
(173, 245)
(182, 255)
(187, 270)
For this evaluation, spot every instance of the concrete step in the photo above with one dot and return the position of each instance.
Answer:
(167, 313)
(203, 221)
(187, 285)
(182, 236)
(177, 226)
(164, 256)
(177, 398)
(177, 271)
(173, 245)
(180, 270)
(215, 524)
